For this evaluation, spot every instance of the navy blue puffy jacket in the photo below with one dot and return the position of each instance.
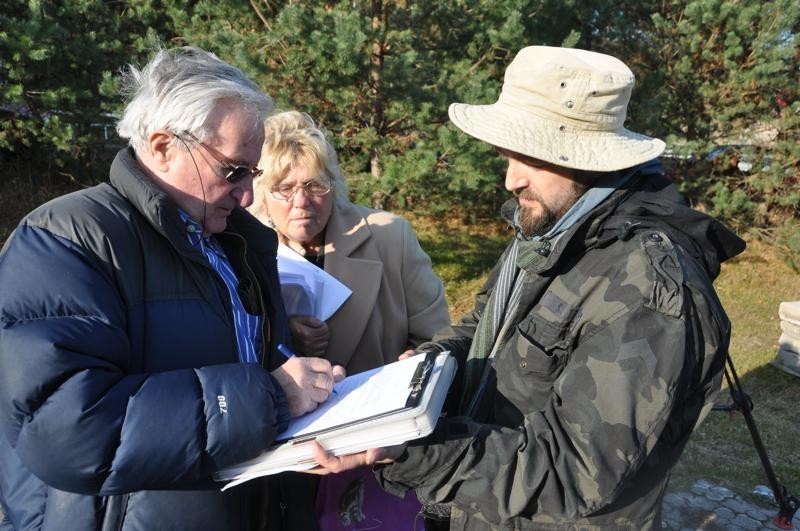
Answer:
(120, 389)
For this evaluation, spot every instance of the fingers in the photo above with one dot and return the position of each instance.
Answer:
(331, 464)
(310, 334)
(407, 354)
(317, 378)
(308, 321)
(386, 454)
(339, 373)
(307, 382)
(308, 326)
(315, 348)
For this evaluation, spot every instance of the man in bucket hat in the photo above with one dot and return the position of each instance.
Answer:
(597, 344)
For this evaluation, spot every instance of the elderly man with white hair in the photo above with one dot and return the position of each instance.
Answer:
(598, 342)
(140, 320)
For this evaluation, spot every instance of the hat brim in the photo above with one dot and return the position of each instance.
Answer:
(552, 141)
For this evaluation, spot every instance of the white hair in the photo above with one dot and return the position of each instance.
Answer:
(177, 91)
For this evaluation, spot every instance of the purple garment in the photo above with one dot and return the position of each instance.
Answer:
(353, 500)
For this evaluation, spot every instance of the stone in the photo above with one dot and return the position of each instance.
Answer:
(790, 310)
(722, 491)
(724, 514)
(745, 522)
(758, 514)
(736, 505)
(787, 360)
(676, 500)
(703, 503)
(703, 484)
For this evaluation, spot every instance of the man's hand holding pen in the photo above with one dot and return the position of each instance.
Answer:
(307, 382)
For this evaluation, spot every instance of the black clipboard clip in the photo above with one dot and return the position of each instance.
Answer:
(420, 378)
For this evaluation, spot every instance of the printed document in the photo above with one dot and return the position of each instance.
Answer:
(388, 405)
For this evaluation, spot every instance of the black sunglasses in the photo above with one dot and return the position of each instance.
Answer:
(233, 172)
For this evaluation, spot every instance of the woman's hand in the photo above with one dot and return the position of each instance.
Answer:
(407, 354)
(310, 335)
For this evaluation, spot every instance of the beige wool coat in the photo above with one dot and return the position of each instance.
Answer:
(397, 301)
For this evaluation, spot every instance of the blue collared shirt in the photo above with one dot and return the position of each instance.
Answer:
(247, 325)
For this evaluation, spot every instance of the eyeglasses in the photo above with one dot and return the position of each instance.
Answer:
(315, 188)
(233, 172)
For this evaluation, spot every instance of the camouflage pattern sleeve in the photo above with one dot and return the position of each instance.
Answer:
(608, 411)
(568, 434)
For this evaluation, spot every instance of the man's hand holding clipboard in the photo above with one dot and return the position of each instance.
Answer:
(331, 464)
(368, 418)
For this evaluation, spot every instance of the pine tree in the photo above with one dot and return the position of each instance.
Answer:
(380, 75)
(57, 65)
(731, 100)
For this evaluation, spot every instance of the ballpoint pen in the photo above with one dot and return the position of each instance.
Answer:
(286, 351)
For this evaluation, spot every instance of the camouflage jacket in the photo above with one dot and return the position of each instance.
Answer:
(616, 359)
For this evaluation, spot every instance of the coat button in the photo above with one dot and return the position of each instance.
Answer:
(523, 364)
(654, 237)
(570, 104)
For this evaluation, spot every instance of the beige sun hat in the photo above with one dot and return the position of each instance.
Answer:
(564, 106)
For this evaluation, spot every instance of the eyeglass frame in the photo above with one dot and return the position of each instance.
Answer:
(296, 188)
(230, 168)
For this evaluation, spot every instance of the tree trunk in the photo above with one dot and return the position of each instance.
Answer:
(376, 68)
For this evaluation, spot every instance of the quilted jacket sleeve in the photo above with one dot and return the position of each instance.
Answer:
(77, 407)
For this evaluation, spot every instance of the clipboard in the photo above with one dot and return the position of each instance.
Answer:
(388, 405)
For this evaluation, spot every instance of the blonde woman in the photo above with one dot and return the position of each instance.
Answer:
(397, 301)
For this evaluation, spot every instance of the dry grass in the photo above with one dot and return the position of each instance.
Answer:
(462, 255)
(751, 287)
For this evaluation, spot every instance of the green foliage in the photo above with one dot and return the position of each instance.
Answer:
(730, 72)
(380, 75)
(56, 83)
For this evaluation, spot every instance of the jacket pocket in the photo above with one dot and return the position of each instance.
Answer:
(530, 362)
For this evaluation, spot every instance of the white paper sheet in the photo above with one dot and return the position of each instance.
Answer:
(359, 396)
(297, 273)
(378, 416)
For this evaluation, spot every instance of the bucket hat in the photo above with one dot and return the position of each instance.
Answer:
(564, 106)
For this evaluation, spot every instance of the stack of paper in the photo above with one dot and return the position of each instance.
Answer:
(306, 289)
(382, 407)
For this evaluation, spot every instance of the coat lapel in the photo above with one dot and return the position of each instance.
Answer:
(352, 257)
